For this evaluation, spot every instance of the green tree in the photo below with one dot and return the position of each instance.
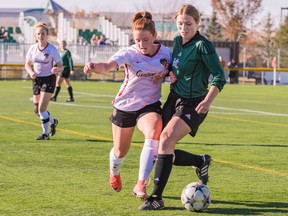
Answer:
(281, 40)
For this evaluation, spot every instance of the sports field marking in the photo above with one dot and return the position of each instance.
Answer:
(270, 171)
(250, 111)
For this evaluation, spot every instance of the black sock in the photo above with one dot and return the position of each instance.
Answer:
(183, 158)
(70, 91)
(162, 172)
(58, 88)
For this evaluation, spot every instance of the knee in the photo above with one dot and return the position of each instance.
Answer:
(166, 145)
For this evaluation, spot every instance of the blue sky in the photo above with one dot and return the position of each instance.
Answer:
(272, 6)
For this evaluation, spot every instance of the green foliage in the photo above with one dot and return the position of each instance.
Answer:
(245, 132)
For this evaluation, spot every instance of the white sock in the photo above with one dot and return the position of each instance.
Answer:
(147, 158)
(44, 116)
(115, 163)
(51, 119)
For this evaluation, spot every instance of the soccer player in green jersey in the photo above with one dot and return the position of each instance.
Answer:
(194, 59)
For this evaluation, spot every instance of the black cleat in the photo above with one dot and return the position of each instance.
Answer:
(152, 204)
(53, 99)
(53, 127)
(42, 137)
(202, 171)
(70, 100)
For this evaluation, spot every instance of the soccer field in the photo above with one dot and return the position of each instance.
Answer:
(246, 133)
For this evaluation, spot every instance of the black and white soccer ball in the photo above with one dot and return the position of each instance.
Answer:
(196, 197)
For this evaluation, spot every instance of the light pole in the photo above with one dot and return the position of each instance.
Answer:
(282, 8)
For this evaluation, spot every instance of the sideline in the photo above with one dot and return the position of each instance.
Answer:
(270, 171)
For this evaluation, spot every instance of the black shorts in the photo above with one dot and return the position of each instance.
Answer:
(44, 84)
(65, 73)
(185, 109)
(129, 119)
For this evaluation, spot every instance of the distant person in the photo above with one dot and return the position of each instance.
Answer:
(233, 74)
(65, 75)
(101, 40)
(3, 34)
(40, 59)
(138, 100)
(224, 65)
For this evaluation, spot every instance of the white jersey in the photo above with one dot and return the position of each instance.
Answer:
(138, 89)
(43, 59)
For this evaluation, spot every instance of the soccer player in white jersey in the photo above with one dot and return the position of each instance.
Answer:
(39, 63)
(137, 102)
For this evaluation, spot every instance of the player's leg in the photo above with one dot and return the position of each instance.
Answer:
(150, 125)
(70, 90)
(44, 115)
(58, 88)
(175, 130)
(122, 138)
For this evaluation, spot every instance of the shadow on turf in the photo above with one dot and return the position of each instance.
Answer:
(245, 207)
(239, 144)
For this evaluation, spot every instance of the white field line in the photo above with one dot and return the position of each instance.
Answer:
(239, 111)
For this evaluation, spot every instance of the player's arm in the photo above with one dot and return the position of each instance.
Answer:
(29, 69)
(100, 68)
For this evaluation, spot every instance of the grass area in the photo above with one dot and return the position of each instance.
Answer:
(245, 132)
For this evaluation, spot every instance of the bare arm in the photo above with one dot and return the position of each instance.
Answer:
(100, 68)
(204, 106)
(29, 69)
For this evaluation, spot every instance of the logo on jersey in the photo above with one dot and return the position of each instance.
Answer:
(46, 55)
(164, 62)
(140, 73)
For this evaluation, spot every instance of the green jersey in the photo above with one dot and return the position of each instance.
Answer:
(67, 59)
(193, 63)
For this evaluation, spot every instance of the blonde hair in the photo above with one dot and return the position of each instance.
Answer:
(41, 25)
(189, 10)
(143, 21)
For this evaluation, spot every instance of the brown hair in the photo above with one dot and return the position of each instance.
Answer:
(143, 21)
(41, 25)
(189, 10)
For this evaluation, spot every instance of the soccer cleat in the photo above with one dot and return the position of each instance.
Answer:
(116, 182)
(70, 100)
(53, 127)
(140, 190)
(152, 204)
(53, 99)
(42, 137)
(202, 171)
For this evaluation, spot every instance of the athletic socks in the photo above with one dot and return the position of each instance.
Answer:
(115, 163)
(58, 88)
(162, 172)
(183, 158)
(147, 158)
(44, 117)
(70, 91)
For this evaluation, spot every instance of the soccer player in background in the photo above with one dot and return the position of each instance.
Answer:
(39, 63)
(64, 76)
(193, 60)
(138, 100)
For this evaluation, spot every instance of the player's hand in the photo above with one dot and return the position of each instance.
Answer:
(88, 67)
(72, 72)
(159, 76)
(54, 70)
(203, 107)
(33, 75)
(172, 77)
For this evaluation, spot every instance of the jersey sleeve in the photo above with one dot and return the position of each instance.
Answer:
(211, 60)
(121, 57)
(70, 60)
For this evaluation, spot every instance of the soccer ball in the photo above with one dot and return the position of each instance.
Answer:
(196, 197)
